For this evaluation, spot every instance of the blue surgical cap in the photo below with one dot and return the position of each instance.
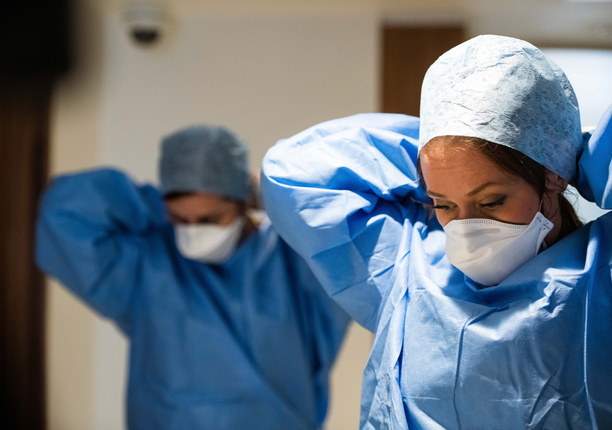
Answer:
(207, 159)
(506, 91)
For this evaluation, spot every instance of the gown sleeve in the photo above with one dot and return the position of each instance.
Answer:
(340, 193)
(89, 236)
(594, 173)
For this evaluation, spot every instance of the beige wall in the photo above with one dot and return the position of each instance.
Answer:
(265, 68)
(74, 142)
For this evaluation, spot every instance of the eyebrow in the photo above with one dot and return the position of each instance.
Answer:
(470, 194)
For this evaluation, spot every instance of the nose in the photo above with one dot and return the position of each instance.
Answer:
(467, 212)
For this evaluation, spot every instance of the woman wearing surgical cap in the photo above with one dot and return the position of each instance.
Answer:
(450, 238)
(228, 327)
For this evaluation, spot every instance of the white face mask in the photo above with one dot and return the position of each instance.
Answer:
(488, 251)
(209, 243)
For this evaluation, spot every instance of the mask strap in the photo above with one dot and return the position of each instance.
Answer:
(554, 216)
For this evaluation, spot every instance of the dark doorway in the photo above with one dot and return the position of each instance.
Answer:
(408, 52)
(34, 51)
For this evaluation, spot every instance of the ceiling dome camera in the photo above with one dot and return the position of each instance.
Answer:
(146, 21)
(145, 35)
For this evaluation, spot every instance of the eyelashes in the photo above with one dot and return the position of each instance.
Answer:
(440, 207)
(494, 204)
(491, 205)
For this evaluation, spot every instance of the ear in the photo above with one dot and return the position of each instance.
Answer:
(555, 183)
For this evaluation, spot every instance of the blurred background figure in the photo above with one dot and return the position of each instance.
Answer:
(228, 328)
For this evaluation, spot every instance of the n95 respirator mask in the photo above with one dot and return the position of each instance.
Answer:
(488, 251)
(209, 243)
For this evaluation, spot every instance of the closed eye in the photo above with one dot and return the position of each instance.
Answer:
(446, 206)
(441, 207)
(494, 204)
(209, 219)
(175, 219)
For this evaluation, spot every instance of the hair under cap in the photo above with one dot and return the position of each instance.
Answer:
(207, 159)
(506, 91)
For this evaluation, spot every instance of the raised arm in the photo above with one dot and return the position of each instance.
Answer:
(341, 194)
(594, 177)
(90, 234)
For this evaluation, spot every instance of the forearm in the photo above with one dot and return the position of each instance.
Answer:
(89, 233)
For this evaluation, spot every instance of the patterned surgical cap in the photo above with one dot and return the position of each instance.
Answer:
(208, 159)
(505, 91)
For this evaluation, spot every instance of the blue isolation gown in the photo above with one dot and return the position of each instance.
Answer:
(533, 352)
(244, 345)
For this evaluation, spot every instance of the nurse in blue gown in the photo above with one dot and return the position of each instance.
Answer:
(450, 238)
(228, 327)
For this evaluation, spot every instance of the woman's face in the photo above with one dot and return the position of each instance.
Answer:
(464, 183)
(202, 208)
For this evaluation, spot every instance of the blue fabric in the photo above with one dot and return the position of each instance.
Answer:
(533, 352)
(594, 177)
(247, 344)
